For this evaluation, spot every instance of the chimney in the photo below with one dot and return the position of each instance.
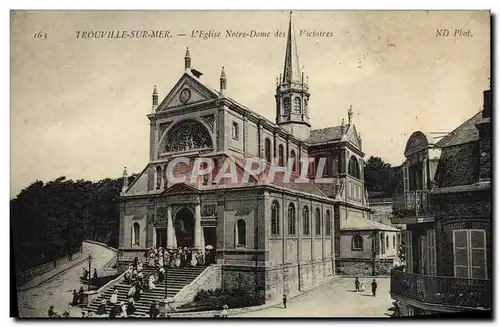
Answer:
(485, 137)
(487, 103)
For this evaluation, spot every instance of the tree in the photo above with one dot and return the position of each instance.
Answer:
(49, 219)
(381, 178)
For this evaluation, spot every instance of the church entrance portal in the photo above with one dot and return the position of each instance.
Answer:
(161, 237)
(184, 228)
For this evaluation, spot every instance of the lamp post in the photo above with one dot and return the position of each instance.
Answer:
(166, 274)
(89, 259)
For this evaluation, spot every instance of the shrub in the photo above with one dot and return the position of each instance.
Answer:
(216, 299)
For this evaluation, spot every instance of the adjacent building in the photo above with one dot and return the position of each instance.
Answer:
(446, 207)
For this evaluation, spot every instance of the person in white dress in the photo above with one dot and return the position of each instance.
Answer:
(151, 259)
(131, 291)
(114, 297)
(123, 314)
(151, 283)
(194, 259)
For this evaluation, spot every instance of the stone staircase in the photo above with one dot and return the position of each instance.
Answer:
(177, 278)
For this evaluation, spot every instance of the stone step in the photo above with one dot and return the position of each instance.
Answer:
(177, 278)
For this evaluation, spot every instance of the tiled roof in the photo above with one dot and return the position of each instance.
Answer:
(324, 135)
(355, 223)
(467, 132)
(278, 180)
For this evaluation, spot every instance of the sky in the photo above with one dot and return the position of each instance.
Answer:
(79, 106)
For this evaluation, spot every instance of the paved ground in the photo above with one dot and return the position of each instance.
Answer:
(58, 292)
(335, 300)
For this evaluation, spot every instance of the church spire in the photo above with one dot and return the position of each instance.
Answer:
(292, 93)
(291, 71)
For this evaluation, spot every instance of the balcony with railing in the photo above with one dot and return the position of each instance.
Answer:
(414, 205)
(441, 292)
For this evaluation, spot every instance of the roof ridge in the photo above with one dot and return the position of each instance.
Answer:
(453, 132)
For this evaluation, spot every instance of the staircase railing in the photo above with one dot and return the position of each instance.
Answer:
(210, 278)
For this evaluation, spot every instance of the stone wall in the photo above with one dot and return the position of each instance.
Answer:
(295, 278)
(458, 165)
(209, 279)
(363, 267)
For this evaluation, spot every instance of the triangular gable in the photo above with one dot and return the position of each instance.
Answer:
(353, 136)
(181, 188)
(197, 93)
(139, 185)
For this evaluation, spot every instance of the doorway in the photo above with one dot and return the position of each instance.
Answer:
(184, 228)
(210, 236)
(161, 237)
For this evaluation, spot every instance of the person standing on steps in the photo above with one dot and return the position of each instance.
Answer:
(80, 295)
(284, 301)
(374, 287)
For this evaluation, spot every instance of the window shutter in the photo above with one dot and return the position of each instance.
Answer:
(461, 255)
(431, 252)
(408, 251)
(406, 183)
(478, 254)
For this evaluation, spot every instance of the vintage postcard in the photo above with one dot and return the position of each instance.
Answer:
(220, 164)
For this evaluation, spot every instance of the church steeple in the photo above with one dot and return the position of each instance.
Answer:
(291, 70)
(292, 93)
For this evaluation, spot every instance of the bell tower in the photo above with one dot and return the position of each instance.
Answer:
(292, 92)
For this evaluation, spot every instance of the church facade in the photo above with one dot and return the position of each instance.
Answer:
(273, 235)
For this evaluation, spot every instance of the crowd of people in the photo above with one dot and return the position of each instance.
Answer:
(180, 257)
(140, 281)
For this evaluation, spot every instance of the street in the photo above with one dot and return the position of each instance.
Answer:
(58, 292)
(337, 299)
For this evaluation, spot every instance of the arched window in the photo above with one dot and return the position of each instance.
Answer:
(328, 228)
(137, 234)
(305, 220)
(186, 136)
(318, 222)
(275, 218)
(294, 160)
(387, 241)
(267, 147)
(158, 177)
(382, 245)
(357, 243)
(286, 105)
(393, 241)
(297, 105)
(236, 132)
(280, 155)
(353, 169)
(291, 219)
(241, 233)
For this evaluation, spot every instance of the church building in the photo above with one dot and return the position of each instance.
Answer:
(273, 236)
